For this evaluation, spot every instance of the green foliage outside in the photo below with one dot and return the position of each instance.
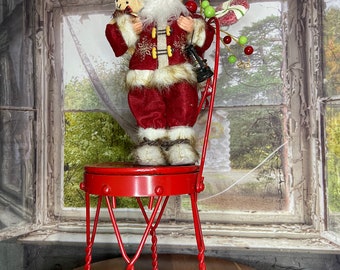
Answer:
(90, 137)
(254, 135)
(332, 51)
(333, 158)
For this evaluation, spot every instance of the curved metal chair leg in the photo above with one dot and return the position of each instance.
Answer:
(90, 236)
(152, 223)
(198, 232)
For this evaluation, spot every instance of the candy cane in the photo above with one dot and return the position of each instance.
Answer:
(231, 11)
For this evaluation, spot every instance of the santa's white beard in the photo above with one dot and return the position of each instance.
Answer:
(161, 11)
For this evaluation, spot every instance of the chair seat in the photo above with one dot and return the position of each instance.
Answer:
(131, 180)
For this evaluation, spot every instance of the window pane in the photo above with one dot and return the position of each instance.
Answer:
(93, 83)
(256, 79)
(257, 154)
(17, 119)
(90, 137)
(332, 47)
(17, 168)
(332, 89)
(333, 165)
(249, 145)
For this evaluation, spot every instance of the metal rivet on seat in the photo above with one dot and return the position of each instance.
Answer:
(159, 190)
(82, 186)
(106, 189)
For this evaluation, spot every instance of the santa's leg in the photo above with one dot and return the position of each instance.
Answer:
(182, 102)
(149, 110)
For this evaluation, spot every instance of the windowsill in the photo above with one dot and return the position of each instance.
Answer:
(282, 238)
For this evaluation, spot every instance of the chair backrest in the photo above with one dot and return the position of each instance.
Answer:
(207, 102)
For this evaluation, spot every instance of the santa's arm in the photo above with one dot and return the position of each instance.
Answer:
(121, 34)
(202, 35)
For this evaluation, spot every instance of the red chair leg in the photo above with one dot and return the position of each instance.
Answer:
(154, 254)
(152, 224)
(90, 237)
(153, 229)
(198, 232)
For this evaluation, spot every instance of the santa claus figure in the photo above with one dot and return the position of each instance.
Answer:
(162, 84)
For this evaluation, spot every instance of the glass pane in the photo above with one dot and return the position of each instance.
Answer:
(248, 145)
(332, 89)
(90, 137)
(331, 32)
(17, 118)
(333, 165)
(259, 84)
(255, 79)
(15, 85)
(17, 168)
(91, 134)
(92, 74)
(256, 180)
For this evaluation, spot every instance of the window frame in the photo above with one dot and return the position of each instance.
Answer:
(58, 223)
(296, 216)
(305, 146)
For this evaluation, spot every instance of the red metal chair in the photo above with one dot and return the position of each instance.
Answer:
(112, 180)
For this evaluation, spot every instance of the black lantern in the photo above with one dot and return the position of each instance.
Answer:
(201, 67)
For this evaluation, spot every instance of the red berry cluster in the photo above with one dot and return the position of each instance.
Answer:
(209, 12)
(242, 41)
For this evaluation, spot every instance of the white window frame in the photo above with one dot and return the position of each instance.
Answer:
(306, 218)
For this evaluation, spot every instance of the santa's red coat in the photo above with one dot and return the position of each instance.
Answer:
(162, 84)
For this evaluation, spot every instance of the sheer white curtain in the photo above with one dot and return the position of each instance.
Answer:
(97, 63)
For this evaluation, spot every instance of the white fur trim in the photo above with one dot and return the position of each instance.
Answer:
(149, 155)
(138, 78)
(199, 33)
(182, 154)
(161, 78)
(172, 74)
(181, 132)
(126, 28)
(152, 134)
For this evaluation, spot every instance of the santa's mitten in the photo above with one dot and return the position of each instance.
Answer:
(149, 151)
(231, 11)
(181, 150)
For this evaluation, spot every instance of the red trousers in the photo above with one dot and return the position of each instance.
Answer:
(173, 106)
